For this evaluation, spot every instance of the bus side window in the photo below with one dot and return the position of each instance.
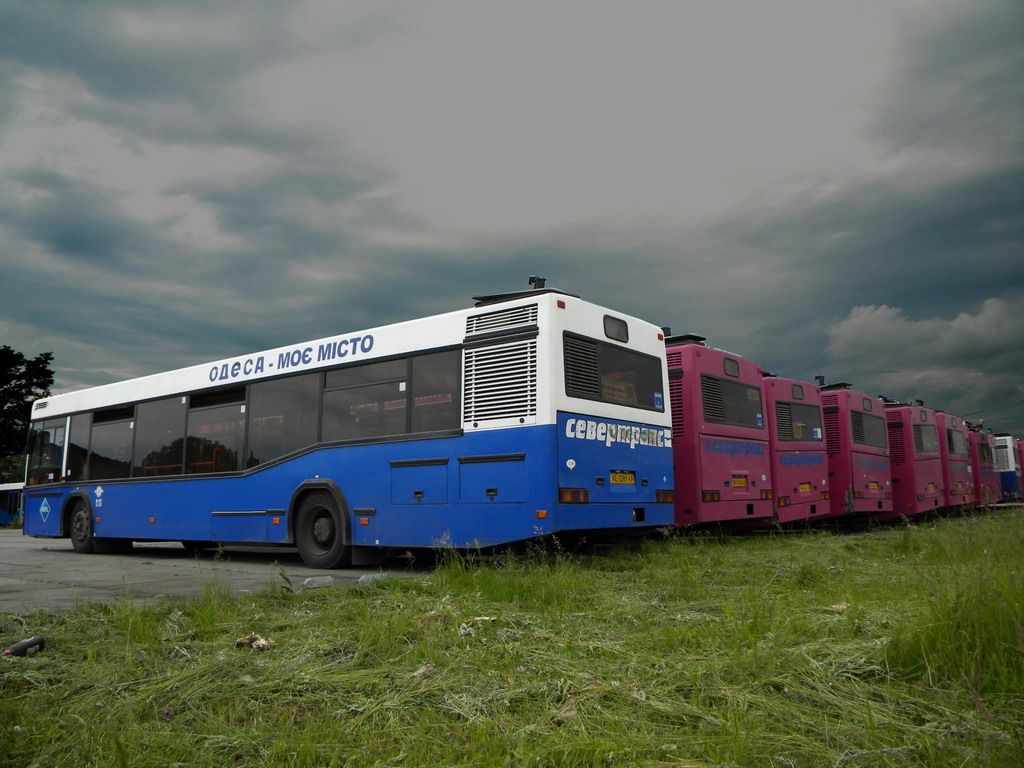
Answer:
(436, 395)
(78, 446)
(110, 450)
(283, 416)
(216, 433)
(365, 401)
(159, 441)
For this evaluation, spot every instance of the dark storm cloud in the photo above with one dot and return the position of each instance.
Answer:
(969, 364)
(169, 70)
(69, 218)
(305, 240)
(87, 40)
(960, 81)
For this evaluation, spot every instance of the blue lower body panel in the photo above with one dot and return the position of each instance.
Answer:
(478, 490)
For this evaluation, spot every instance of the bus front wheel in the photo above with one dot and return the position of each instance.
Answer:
(80, 525)
(319, 534)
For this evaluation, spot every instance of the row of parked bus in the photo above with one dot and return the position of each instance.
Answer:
(528, 414)
(754, 449)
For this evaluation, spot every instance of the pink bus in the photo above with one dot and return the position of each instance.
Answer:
(987, 488)
(915, 460)
(958, 483)
(858, 453)
(797, 445)
(719, 439)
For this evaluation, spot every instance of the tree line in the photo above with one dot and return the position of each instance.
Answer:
(22, 381)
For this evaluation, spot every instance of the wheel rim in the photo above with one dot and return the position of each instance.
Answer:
(80, 525)
(322, 531)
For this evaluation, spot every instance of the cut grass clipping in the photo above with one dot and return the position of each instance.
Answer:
(894, 647)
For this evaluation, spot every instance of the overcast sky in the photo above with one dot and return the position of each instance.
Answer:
(825, 187)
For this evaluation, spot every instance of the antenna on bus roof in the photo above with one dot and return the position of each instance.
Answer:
(820, 380)
(537, 281)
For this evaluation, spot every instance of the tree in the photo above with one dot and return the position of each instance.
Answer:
(22, 380)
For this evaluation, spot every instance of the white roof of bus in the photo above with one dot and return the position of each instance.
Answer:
(330, 351)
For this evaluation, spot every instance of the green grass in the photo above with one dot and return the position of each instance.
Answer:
(898, 647)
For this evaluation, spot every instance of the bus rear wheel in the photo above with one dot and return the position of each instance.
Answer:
(319, 535)
(80, 530)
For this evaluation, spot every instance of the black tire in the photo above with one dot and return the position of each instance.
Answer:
(80, 529)
(321, 538)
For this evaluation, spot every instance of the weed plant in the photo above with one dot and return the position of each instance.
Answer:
(891, 647)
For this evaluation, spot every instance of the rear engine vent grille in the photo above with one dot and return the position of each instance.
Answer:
(897, 447)
(830, 418)
(1002, 458)
(675, 396)
(711, 394)
(784, 421)
(582, 378)
(513, 317)
(857, 427)
(501, 382)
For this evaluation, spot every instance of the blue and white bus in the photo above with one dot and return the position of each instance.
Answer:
(10, 502)
(529, 414)
(1008, 466)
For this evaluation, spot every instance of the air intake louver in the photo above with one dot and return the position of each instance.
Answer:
(513, 317)
(1002, 456)
(784, 421)
(675, 395)
(711, 394)
(675, 390)
(830, 419)
(501, 382)
(582, 378)
(897, 449)
(857, 426)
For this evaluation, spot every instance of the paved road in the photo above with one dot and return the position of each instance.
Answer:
(49, 574)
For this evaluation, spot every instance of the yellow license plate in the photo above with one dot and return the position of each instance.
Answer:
(805, 487)
(873, 486)
(739, 482)
(930, 487)
(623, 478)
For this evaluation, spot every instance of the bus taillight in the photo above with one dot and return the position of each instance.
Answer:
(573, 495)
(665, 497)
(710, 496)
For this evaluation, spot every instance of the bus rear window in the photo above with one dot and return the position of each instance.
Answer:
(596, 370)
(955, 442)
(868, 430)
(798, 421)
(985, 453)
(730, 402)
(925, 438)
